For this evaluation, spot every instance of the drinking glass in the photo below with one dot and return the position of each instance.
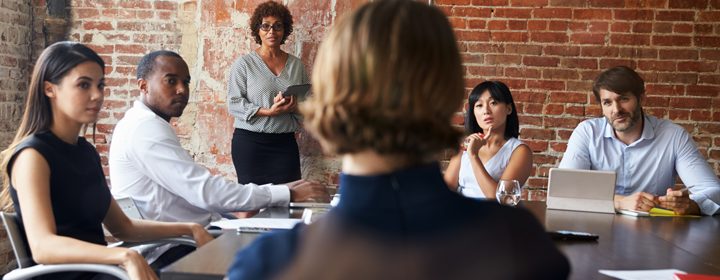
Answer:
(508, 192)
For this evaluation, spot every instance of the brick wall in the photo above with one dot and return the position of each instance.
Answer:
(549, 51)
(15, 46)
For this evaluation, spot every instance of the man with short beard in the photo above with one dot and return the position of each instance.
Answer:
(644, 151)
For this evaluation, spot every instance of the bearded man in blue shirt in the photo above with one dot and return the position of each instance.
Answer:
(647, 153)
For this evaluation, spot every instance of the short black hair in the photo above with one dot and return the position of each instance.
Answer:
(620, 80)
(501, 93)
(147, 63)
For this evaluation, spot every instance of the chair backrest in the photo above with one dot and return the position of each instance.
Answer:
(17, 240)
(127, 204)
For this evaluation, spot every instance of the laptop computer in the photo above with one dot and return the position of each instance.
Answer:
(581, 190)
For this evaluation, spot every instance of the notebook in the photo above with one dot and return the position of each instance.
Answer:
(256, 224)
(581, 190)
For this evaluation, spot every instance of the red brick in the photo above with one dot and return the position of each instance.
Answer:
(530, 108)
(697, 66)
(84, 14)
(561, 50)
(674, 16)
(165, 5)
(561, 122)
(517, 24)
(679, 54)
(541, 61)
(657, 65)
(453, 2)
(671, 40)
(485, 71)
(558, 146)
(688, 4)
(136, 4)
(582, 63)
(607, 3)
(634, 15)
(662, 27)
(598, 26)
(708, 91)
(131, 49)
(536, 146)
(711, 54)
(655, 101)
(578, 26)
(497, 25)
(689, 102)
(588, 38)
(476, 24)
(102, 49)
(553, 13)
(549, 37)
(575, 110)
(485, 48)
(539, 25)
(568, 97)
(609, 63)
(502, 59)
(559, 74)
(568, 3)
(557, 25)
(472, 12)
(523, 49)
(646, 3)
(472, 58)
(707, 41)
(509, 36)
(703, 28)
(522, 72)
(472, 35)
(97, 25)
(529, 3)
(531, 120)
(679, 115)
(622, 39)
(709, 79)
(709, 16)
(683, 27)
(700, 116)
(654, 89)
(642, 27)
(535, 97)
(546, 84)
(622, 27)
(513, 13)
(534, 133)
(603, 51)
(712, 128)
(590, 14)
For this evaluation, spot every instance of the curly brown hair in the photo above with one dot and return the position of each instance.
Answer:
(271, 9)
(386, 82)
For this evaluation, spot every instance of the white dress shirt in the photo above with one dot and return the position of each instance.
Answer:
(650, 164)
(148, 164)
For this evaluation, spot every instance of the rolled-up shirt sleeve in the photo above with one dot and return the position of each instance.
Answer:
(158, 154)
(237, 100)
(577, 154)
(696, 174)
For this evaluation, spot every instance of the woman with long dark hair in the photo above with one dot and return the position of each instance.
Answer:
(54, 178)
(492, 149)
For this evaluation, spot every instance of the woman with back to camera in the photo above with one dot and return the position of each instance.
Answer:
(54, 179)
(264, 149)
(386, 86)
(492, 149)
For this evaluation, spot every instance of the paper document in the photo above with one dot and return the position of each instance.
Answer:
(256, 224)
(655, 274)
(659, 212)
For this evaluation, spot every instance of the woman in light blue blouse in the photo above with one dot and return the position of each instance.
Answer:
(264, 149)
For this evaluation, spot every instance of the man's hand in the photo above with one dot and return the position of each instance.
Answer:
(200, 235)
(302, 190)
(679, 201)
(640, 201)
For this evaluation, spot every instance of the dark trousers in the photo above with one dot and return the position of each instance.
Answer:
(263, 158)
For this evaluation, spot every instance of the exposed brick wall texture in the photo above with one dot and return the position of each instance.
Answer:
(547, 51)
(15, 52)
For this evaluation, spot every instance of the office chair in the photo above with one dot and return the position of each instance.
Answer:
(27, 268)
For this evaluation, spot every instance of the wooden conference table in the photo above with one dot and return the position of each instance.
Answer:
(625, 243)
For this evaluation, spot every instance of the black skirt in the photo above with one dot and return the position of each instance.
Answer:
(263, 158)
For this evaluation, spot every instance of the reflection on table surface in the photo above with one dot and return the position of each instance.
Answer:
(625, 243)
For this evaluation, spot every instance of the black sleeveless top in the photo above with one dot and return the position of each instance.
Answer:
(79, 193)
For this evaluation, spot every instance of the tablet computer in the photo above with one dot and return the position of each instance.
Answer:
(296, 90)
(581, 190)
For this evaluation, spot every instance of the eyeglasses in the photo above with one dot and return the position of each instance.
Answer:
(266, 27)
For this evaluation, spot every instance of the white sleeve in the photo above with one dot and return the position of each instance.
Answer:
(157, 152)
(577, 155)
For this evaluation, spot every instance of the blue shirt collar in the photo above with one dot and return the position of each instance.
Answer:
(648, 129)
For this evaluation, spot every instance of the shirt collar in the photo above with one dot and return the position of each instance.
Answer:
(648, 129)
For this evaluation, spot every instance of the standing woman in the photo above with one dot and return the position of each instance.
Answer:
(493, 151)
(264, 149)
(55, 179)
